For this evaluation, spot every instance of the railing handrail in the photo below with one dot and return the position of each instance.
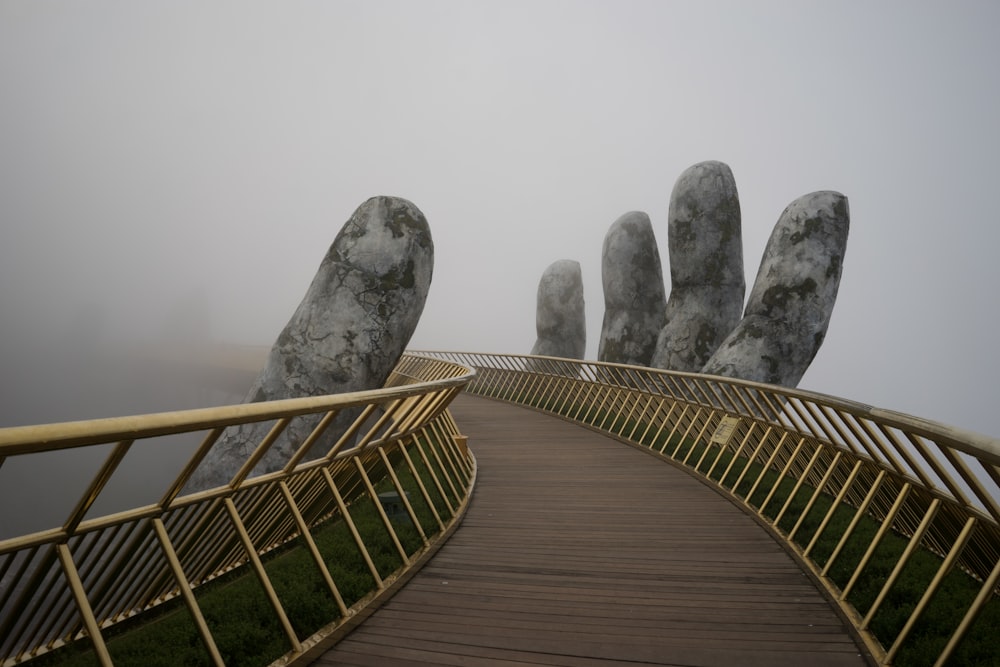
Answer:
(16, 440)
(971, 442)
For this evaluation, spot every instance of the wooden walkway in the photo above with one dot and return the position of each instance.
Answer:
(580, 551)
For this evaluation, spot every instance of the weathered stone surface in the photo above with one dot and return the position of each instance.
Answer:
(792, 299)
(634, 298)
(347, 333)
(706, 267)
(559, 316)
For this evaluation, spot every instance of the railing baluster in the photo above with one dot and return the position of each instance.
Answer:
(83, 605)
(187, 593)
(901, 562)
(932, 588)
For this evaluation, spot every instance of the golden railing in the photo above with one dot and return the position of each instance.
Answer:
(845, 486)
(82, 579)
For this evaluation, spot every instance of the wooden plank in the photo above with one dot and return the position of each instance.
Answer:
(577, 550)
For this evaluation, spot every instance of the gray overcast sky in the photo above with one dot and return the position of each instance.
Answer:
(152, 152)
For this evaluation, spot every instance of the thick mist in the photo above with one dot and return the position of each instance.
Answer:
(174, 171)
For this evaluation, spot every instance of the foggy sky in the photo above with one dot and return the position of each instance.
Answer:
(164, 157)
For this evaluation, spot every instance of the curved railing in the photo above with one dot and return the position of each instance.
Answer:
(402, 461)
(896, 517)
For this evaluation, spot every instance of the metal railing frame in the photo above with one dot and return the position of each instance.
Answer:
(71, 582)
(934, 485)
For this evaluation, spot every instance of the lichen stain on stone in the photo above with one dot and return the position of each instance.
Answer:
(809, 226)
(773, 377)
(399, 222)
(683, 232)
(704, 343)
(777, 296)
(833, 269)
(840, 208)
(746, 331)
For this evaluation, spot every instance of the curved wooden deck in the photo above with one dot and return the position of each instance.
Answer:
(578, 550)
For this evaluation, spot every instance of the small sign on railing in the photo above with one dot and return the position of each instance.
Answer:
(724, 431)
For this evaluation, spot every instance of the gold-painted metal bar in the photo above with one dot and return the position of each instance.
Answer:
(433, 474)
(185, 587)
(768, 411)
(373, 494)
(816, 494)
(753, 457)
(720, 399)
(83, 605)
(441, 467)
(178, 484)
(265, 581)
(313, 436)
(781, 476)
(545, 392)
(985, 594)
(346, 516)
(855, 520)
(370, 434)
(584, 402)
(935, 465)
(403, 496)
(612, 410)
(848, 434)
(766, 467)
(825, 426)
(673, 429)
(879, 534)
(659, 426)
(447, 444)
(551, 396)
(351, 431)
(813, 460)
(838, 501)
(899, 448)
(739, 450)
(57, 606)
(741, 395)
(450, 446)
(420, 485)
(974, 483)
(408, 417)
(313, 549)
(21, 602)
(901, 563)
(93, 555)
(698, 438)
(120, 567)
(932, 588)
(259, 452)
(641, 417)
(204, 516)
(594, 408)
(797, 417)
(736, 451)
(97, 485)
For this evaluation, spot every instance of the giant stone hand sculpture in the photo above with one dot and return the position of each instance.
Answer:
(346, 335)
